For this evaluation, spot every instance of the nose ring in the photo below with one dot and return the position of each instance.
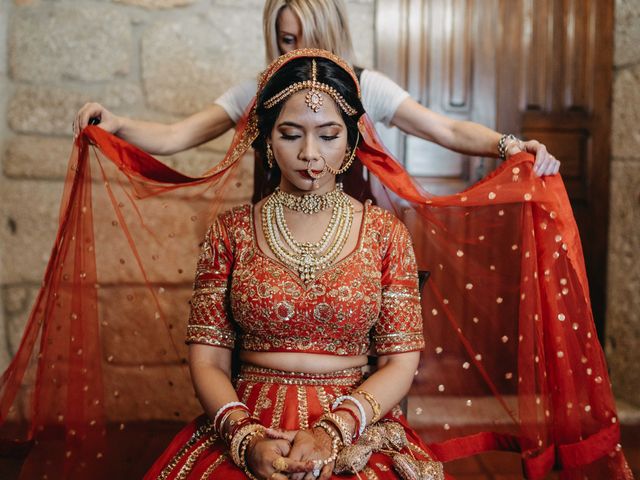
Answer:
(315, 175)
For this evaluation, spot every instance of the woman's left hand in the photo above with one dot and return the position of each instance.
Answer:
(307, 445)
(545, 164)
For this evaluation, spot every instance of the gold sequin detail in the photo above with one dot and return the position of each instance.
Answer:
(193, 457)
(247, 393)
(205, 429)
(279, 408)
(418, 450)
(263, 401)
(347, 377)
(207, 473)
(370, 473)
(303, 411)
(323, 398)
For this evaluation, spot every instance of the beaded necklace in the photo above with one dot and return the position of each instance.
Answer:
(307, 258)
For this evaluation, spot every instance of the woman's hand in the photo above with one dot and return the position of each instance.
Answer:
(307, 446)
(263, 452)
(108, 121)
(545, 164)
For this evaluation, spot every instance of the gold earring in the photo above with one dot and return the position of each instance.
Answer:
(269, 156)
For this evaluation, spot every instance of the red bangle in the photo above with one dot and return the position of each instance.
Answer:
(238, 425)
(221, 416)
(355, 419)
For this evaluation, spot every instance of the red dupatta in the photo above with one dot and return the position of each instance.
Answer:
(507, 317)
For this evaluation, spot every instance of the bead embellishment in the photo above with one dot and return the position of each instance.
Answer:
(306, 258)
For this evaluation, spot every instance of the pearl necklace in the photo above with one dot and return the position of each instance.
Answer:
(306, 258)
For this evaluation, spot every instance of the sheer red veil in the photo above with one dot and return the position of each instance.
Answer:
(511, 345)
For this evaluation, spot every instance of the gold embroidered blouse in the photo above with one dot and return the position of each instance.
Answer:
(368, 299)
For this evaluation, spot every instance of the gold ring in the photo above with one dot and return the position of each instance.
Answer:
(280, 464)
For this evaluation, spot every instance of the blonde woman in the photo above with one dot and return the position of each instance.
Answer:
(293, 24)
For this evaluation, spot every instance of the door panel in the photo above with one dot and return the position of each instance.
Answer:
(538, 68)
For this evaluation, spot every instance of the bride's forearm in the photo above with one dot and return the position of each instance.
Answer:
(390, 383)
(210, 369)
(383, 390)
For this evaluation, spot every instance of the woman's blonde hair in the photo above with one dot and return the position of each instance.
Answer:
(324, 25)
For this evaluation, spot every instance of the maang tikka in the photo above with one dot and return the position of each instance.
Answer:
(314, 98)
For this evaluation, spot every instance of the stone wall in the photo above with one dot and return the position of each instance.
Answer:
(151, 59)
(623, 297)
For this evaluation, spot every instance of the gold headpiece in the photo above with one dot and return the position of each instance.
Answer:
(313, 99)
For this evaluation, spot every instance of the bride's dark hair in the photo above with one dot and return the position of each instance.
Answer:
(299, 70)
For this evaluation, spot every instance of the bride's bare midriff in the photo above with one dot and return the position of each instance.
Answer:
(302, 362)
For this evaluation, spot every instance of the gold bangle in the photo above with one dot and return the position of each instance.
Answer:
(238, 438)
(375, 405)
(341, 425)
(244, 444)
(335, 441)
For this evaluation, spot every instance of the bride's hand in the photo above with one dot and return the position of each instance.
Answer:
(308, 446)
(263, 452)
(108, 121)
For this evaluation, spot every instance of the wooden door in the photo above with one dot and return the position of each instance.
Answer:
(538, 68)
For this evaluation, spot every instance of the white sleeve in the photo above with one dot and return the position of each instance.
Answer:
(237, 98)
(381, 96)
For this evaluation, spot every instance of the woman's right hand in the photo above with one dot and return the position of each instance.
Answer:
(263, 452)
(108, 121)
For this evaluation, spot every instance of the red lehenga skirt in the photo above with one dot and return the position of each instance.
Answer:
(285, 400)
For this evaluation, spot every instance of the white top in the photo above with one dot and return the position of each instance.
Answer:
(381, 97)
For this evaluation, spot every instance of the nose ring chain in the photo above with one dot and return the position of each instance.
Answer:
(315, 175)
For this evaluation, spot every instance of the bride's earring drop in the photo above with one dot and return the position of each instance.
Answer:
(269, 156)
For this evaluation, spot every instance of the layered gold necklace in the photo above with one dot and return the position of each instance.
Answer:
(307, 258)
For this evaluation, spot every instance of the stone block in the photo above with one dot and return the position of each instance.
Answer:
(623, 302)
(36, 157)
(19, 301)
(5, 354)
(187, 64)
(29, 216)
(157, 4)
(51, 110)
(626, 113)
(627, 32)
(61, 41)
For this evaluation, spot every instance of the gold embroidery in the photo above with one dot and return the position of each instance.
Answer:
(327, 317)
(193, 457)
(201, 431)
(303, 412)
(418, 450)
(279, 408)
(348, 377)
(370, 473)
(247, 392)
(263, 401)
(210, 335)
(323, 398)
(207, 473)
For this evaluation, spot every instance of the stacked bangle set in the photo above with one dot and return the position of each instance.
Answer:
(238, 433)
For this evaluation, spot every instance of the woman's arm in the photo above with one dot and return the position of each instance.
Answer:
(159, 138)
(465, 137)
(210, 369)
